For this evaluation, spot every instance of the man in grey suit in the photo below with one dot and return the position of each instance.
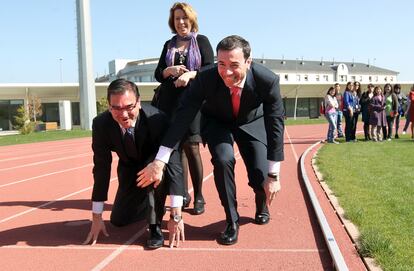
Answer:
(240, 102)
(134, 132)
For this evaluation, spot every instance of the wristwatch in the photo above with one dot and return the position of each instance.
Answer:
(177, 218)
(273, 176)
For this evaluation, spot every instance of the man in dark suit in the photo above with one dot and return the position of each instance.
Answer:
(134, 132)
(240, 102)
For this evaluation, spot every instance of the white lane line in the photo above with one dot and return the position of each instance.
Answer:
(45, 175)
(119, 250)
(177, 250)
(291, 146)
(47, 161)
(21, 149)
(21, 157)
(48, 203)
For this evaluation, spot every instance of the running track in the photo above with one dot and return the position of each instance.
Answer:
(45, 209)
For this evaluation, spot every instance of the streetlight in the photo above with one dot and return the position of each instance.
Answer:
(60, 69)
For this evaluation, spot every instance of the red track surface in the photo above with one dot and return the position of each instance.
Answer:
(45, 209)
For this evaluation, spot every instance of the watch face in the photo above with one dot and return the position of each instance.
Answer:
(177, 218)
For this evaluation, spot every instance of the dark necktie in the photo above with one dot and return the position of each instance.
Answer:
(129, 144)
(235, 99)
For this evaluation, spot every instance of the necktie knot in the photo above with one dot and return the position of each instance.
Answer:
(130, 131)
(235, 99)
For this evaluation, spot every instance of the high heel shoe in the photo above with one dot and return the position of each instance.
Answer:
(186, 201)
(199, 206)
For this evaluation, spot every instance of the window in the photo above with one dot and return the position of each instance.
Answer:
(306, 77)
(386, 79)
(376, 78)
(326, 78)
(392, 79)
(298, 77)
(286, 77)
(353, 78)
(343, 78)
(360, 78)
(317, 77)
(370, 78)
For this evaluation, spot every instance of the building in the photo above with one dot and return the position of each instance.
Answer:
(303, 85)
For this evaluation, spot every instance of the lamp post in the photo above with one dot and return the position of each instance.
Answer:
(60, 69)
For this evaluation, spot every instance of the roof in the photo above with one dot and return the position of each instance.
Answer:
(281, 65)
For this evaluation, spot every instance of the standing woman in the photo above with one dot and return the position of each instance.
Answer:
(182, 56)
(349, 100)
(402, 101)
(377, 117)
(411, 110)
(357, 93)
(331, 107)
(365, 102)
(391, 110)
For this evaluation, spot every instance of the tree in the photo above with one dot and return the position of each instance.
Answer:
(23, 123)
(35, 108)
(101, 105)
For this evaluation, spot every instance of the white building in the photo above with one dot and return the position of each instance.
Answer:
(303, 85)
(290, 71)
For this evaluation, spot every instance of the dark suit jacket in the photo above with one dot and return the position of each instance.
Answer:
(261, 112)
(107, 138)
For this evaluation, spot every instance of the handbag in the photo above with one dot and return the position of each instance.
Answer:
(156, 97)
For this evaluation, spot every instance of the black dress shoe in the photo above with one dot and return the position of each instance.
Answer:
(156, 239)
(262, 219)
(230, 234)
(262, 212)
(199, 206)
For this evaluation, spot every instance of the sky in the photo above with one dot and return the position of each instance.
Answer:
(38, 40)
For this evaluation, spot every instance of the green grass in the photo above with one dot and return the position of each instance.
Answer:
(302, 121)
(42, 136)
(374, 182)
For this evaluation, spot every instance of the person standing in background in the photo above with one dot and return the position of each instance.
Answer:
(402, 101)
(391, 110)
(411, 110)
(331, 107)
(349, 110)
(339, 98)
(365, 109)
(377, 117)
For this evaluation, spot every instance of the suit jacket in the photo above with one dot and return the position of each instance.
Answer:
(261, 112)
(107, 137)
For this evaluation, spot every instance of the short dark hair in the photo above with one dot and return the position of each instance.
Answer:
(232, 42)
(120, 86)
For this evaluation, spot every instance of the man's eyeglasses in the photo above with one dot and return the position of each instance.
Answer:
(127, 108)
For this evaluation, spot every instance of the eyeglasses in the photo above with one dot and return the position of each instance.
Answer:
(128, 108)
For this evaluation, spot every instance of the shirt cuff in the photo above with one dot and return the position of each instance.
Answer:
(97, 207)
(176, 201)
(274, 167)
(164, 154)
